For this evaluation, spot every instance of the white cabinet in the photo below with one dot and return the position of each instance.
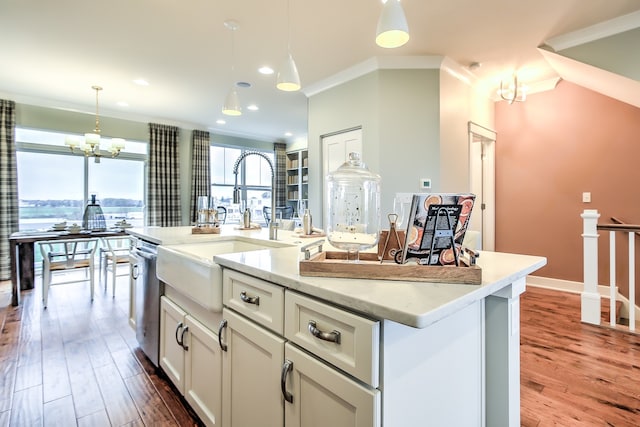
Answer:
(264, 386)
(321, 396)
(191, 358)
(251, 374)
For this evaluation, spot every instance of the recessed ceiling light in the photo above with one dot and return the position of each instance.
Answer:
(221, 122)
(122, 103)
(243, 84)
(141, 82)
(253, 107)
(266, 70)
(288, 134)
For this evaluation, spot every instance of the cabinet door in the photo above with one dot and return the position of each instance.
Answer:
(172, 324)
(322, 396)
(251, 374)
(203, 372)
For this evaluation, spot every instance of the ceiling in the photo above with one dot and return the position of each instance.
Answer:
(53, 52)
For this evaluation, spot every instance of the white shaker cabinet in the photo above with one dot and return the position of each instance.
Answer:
(191, 358)
(264, 386)
(322, 396)
(251, 374)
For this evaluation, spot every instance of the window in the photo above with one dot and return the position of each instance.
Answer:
(254, 180)
(55, 185)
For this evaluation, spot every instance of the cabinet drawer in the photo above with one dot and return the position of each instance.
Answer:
(261, 301)
(315, 326)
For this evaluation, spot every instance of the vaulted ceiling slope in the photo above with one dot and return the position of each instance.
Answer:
(53, 52)
(603, 57)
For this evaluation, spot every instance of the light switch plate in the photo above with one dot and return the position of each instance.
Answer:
(586, 197)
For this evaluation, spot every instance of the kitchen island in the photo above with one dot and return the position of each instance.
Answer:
(377, 352)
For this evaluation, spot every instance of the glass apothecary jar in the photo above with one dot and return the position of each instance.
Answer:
(353, 207)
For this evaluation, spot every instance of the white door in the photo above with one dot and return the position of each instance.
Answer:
(482, 172)
(322, 396)
(251, 366)
(335, 151)
(203, 372)
(172, 329)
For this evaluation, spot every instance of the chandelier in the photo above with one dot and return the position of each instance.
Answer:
(513, 91)
(90, 147)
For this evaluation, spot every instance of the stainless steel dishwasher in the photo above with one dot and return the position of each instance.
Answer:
(148, 291)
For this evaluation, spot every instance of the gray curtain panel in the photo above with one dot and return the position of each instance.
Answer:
(280, 157)
(163, 183)
(8, 184)
(200, 169)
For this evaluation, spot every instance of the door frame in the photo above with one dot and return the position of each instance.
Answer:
(482, 182)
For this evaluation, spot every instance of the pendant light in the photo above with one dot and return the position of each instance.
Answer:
(288, 77)
(231, 105)
(393, 30)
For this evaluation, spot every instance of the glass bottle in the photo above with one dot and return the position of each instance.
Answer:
(353, 207)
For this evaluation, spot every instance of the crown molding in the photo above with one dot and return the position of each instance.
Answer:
(595, 32)
(373, 64)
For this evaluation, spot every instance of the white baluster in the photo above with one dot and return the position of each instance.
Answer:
(632, 281)
(612, 278)
(590, 308)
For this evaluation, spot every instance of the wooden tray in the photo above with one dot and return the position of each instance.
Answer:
(205, 230)
(335, 264)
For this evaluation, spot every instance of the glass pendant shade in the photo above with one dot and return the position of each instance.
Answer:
(231, 104)
(393, 30)
(288, 77)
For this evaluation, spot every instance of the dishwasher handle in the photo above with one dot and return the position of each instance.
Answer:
(144, 254)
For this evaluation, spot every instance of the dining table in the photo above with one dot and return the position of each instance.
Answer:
(21, 251)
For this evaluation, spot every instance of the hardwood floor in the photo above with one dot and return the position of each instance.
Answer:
(78, 363)
(574, 374)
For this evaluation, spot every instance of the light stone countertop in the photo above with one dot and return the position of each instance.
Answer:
(416, 304)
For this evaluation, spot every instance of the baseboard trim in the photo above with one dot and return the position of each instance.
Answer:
(577, 288)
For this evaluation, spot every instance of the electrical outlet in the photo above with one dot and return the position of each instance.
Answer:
(586, 197)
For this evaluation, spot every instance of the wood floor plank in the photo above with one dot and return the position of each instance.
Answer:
(27, 407)
(8, 370)
(59, 412)
(150, 405)
(126, 363)
(5, 417)
(97, 419)
(118, 402)
(55, 377)
(28, 376)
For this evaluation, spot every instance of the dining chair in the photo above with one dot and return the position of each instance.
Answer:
(114, 251)
(63, 255)
(282, 212)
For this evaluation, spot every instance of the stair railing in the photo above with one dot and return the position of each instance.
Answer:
(590, 298)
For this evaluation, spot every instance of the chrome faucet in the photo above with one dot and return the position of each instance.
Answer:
(273, 227)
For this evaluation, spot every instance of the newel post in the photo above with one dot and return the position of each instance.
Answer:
(590, 297)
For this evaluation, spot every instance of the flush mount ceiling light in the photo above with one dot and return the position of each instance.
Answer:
(288, 77)
(513, 91)
(231, 105)
(393, 30)
(90, 147)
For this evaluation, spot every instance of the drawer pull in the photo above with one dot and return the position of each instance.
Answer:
(286, 368)
(223, 325)
(249, 300)
(325, 336)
